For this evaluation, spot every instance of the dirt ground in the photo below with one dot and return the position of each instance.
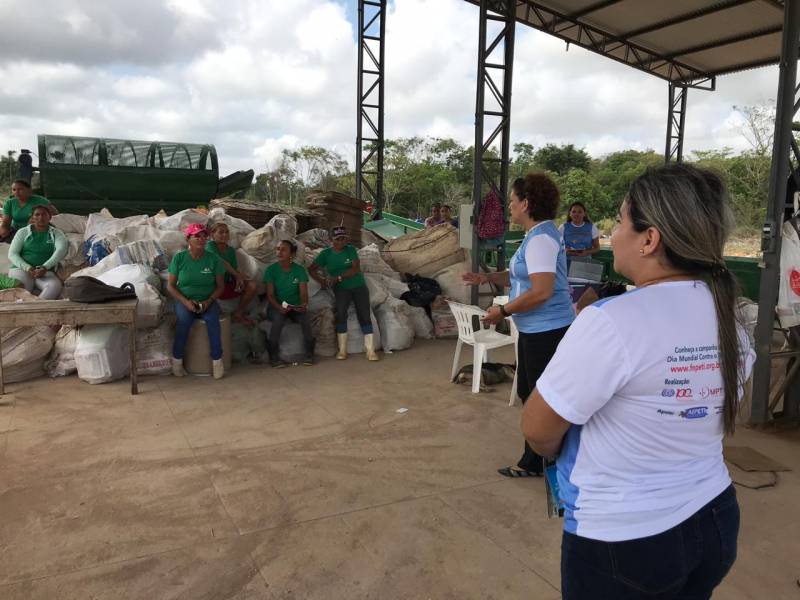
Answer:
(307, 483)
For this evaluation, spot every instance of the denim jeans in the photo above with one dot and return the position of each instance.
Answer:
(185, 320)
(358, 296)
(683, 563)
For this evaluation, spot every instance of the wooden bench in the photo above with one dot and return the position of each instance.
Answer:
(65, 312)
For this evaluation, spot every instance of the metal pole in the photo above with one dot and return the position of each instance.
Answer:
(676, 122)
(771, 235)
(369, 148)
(359, 102)
(504, 12)
(477, 167)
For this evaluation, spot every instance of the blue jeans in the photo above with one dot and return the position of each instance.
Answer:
(683, 563)
(185, 320)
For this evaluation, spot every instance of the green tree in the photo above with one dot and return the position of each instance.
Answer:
(9, 171)
(560, 159)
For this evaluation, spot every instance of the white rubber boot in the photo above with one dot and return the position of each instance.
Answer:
(369, 346)
(177, 367)
(218, 368)
(341, 338)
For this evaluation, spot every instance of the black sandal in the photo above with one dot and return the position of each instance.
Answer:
(512, 472)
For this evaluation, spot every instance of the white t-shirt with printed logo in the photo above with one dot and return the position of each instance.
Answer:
(638, 376)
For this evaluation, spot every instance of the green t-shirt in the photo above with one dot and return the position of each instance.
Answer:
(197, 279)
(287, 283)
(336, 263)
(21, 215)
(37, 248)
(229, 256)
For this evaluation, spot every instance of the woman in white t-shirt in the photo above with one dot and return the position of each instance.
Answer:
(649, 508)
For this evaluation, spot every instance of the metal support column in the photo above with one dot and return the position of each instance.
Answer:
(676, 122)
(776, 208)
(369, 128)
(495, 67)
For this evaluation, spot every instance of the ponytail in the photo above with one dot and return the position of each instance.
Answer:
(689, 207)
(725, 290)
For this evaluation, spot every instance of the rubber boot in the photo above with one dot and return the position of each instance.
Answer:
(177, 367)
(309, 358)
(369, 346)
(218, 368)
(341, 339)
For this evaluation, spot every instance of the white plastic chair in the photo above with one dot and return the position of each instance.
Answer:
(482, 340)
(500, 300)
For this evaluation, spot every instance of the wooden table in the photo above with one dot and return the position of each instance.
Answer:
(37, 313)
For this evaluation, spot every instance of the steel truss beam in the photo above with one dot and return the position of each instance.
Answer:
(787, 105)
(676, 122)
(570, 29)
(369, 128)
(495, 68)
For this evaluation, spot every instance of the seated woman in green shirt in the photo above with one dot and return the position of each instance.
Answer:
(195, 281)
(236, 284)
(348, 283)
(287, 293)
(18, 209)
(35, 253)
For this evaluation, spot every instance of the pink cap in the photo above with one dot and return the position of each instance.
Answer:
(194, 229)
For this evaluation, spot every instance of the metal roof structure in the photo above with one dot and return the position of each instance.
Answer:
(686, 42)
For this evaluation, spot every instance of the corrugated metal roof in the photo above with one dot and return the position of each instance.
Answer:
(683, 41)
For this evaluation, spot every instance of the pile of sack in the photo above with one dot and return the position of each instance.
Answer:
(408, 279)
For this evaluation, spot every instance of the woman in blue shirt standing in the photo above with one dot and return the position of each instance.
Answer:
(539, 301)
(581, 237)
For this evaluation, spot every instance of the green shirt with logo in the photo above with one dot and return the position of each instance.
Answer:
(336, 263)
(21, 215)
(37, 248)
(229, 256)
(287, 283)
(197, 279)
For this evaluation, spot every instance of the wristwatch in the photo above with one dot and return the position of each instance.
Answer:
(340, 279)
(503, 311)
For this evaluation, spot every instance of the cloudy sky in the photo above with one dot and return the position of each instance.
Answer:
(256, 76)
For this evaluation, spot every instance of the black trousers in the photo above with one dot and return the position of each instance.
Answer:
(358, 296)
(534, 351)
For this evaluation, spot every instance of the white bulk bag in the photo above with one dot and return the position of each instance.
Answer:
(788, 307)
(397, 330)
(62, 359)
(146, 283)
(181, 220)
(101, 354)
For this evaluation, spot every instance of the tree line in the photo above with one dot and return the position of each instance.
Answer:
(420, 171)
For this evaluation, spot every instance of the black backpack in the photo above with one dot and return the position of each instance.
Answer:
(88, 289)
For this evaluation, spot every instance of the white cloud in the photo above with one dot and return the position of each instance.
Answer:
(257, 76)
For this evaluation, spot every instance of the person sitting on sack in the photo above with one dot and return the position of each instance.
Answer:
(345, 277)
(287, 293)
(35, 253)
(236, 284)
(196, 282)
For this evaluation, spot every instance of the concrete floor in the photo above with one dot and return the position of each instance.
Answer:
(306, 483)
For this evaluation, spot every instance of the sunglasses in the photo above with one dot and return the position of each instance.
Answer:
(202, 234)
